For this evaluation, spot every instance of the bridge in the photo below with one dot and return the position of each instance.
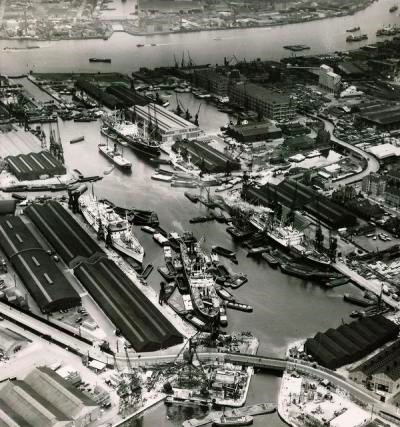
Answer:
(84, 347)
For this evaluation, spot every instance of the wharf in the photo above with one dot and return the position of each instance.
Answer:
(373, 286)
(253, 410)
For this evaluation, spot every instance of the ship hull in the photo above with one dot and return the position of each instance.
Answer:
(122, 166)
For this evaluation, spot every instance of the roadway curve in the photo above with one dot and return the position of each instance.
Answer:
(372, 162)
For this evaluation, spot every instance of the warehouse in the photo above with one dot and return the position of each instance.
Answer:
(45, 399)
(250, 132)
(139, 321)
(381, 371)
(206, 157)
(296, 195)
(367, 334)
(271, 104)
(68, 238)
(383, 117)
(34, 166)
(38, 271)
(170, 126)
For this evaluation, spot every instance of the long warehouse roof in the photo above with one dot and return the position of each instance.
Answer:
(39, 272)
(142, 324)
(68, 238)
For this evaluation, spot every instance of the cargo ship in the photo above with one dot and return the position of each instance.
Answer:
(200, 281)
(98, 214)
(117, 158)
(106, 60)
(130, 133)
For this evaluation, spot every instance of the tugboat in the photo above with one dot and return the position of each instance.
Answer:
(100, 214)
(353, 30)
(114, 156)
(200, 281)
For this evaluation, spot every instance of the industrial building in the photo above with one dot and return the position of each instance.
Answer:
(392, 190)
(206, 157)
(34, 165)
(139, 321)
(295, 195)
(327, 79)
(171, 127)
(45, 399)
(381, 371)
(68, 238)
(36, 268)
(348, 343)
(272, 105)
(251, 132)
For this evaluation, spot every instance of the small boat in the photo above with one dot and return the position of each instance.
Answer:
(161, 177)
(223, 319)
(393, 8)
(236, 280)
(18, 196)
(362, 302)
(353, 30)
(271, 260)
(239, 306)
(75, 140)
(106, 60)
(224, 252)
(257, 251)
(147, 271)
(204, 218)
(357, 314)
(139, 45)
(225, 295)
(109, 170)
(196, 322)
(166, 274)
(239, 234)
(192, 197)
(242, 420)
(148, 229)
(160, 239)
(333, 283)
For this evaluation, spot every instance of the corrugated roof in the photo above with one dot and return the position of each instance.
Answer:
(142, 324)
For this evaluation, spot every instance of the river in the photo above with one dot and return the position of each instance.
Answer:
(322, 36)
(285, 308)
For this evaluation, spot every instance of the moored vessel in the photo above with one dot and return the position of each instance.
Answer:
(103, 219)
(117, 158)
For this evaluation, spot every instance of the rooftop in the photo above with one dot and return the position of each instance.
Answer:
(166, 120)
(262, 93)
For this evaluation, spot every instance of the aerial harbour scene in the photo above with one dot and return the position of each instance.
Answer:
(199, 213)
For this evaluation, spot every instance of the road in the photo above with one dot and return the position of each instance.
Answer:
(372, 162)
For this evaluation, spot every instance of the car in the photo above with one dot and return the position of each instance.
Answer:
(56, 259)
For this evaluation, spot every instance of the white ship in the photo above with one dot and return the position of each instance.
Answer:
(122, 237)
